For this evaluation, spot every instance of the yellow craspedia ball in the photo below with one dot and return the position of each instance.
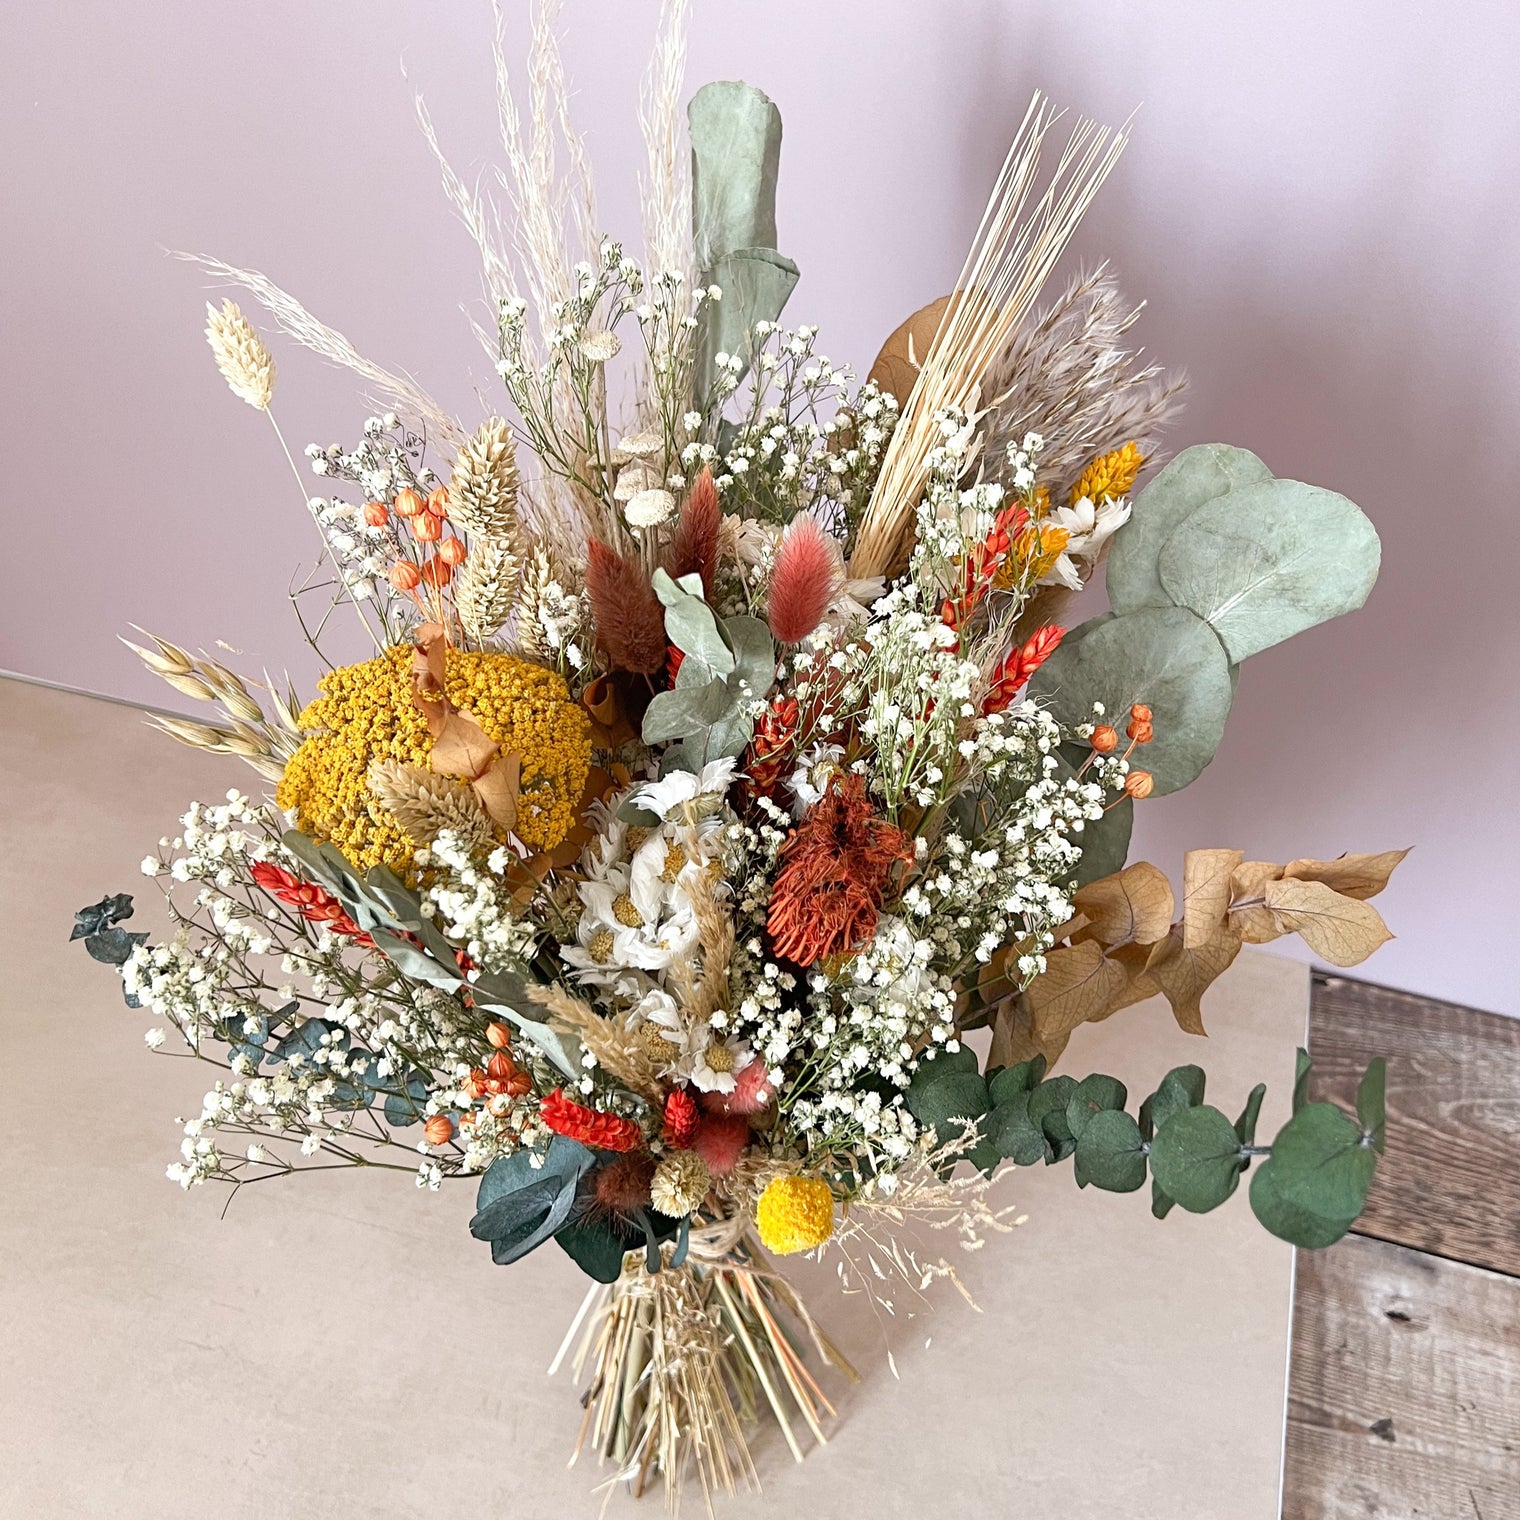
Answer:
(366, 713)
(795, 1214)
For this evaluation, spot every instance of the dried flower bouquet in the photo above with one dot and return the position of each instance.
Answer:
(720, 765)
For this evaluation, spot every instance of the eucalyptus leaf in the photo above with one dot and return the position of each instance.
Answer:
(1014, 1135)
(520, 1204)
(1110, 1153)
(1302, 1066)
(1021, 1077)
(1182, 1087)
(1165, 657)
(1047, 1108)
(1287, 1220)
(686, 711)
(1196, 1158)
(1321, 1164)
(692, 627)
(1371, 1103)
(597, 1245)
(1196, 476)
(1162, 1203)
(1267, 561)
(1245, 1125)
(102, 915)
(1105, 842)
(1094, 1095)
(754, 653)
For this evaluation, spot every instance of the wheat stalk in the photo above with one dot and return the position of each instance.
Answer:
(483, 488)
(1017, 244)
(486, 588)
(616, 1051)
(425, 804)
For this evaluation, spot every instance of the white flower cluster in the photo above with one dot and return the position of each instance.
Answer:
(473, 907)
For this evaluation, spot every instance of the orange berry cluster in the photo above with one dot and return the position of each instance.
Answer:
(425, 516)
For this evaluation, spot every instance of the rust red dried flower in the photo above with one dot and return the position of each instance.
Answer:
(1018, 665)
(630, 622)
(835, 869)
(771, 748)
(680, 1119)
(315, 904)
(803, 582)
(602, 1132)
(693, 548)
(622, 1186)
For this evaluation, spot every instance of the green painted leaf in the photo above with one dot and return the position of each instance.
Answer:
(756, 285)
(1196, 1158)
(1320, 1163)
(1047, 1108)
(1163, 656)
(1286, 1219)
(1371, 1103)
(1014, 1135)
(1093, 1095)
(1302, 1066)
(692, 626)
(1110, 1153)
(1016, 1079)
(1196, 476)
(1245, 1125)
(1182, 1087)
(1267, 561)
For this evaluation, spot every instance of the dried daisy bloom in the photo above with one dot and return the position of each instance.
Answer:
(680, 1183)
(246, 364)
(484, 486)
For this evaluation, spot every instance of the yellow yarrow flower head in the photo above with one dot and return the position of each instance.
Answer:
(795, 1214)
(1109, 476)
(366, 713)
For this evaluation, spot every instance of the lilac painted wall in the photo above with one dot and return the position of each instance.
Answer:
(1319, 204)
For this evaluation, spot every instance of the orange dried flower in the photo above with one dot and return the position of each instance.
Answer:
(426, 528)
(376, 513)
(602, 1132)
(679, 1124)
(499, 1035)
(1105, 739)
(438, 501)
(437, 572)
(837, 864)
(409, 503)
(404, 575)
(439, 1129)
(1141, 713)
(1139, 784)
(452, 551)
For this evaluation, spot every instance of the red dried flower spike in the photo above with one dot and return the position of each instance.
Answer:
(803, 582)
(630, 622)
(693, 546)
(827, 896)
(681, 1118)
(313, 903)
(1018, 665)
(602, 1132)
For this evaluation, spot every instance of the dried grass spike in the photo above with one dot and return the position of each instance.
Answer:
(246, 364)
(483, 489)
(425, 804)
(486, 589)
(630, 623)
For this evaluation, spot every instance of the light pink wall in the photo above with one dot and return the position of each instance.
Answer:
(1319, 204)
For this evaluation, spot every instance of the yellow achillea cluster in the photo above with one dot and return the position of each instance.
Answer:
(1109, 476)
(795, 1214)
(366, 713)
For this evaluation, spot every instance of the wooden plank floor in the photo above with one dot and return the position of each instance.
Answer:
(1404, 1400)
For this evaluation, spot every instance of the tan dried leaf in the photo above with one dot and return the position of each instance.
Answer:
(902, 355)
(1185, 972)
(1079, 983)
(1342, 930)
(1359, 876)
(1014, 1038)
(1249, 916)
(1206, 876)
(1133, 906)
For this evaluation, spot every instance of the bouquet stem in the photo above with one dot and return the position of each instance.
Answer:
(676, 1366)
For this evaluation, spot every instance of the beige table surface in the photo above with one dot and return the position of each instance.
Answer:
(338, 1345)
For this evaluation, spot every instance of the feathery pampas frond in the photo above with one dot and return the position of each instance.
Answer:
(630, 622)
(1071, 377)
(404, 395)
(425, 804)
(665, 189)
(486, 587)
(246, 365)
(483, 488)
(1020, 238)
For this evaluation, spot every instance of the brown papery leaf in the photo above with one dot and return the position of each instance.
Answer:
(1079, 983)
(1358, 876)
(1133, 906)
(1014, 1038)
(1342, 930)
(1185, 972)
(902, 355)
(497, 790)
(1206, 893)
(1249, 916)
(462, 747)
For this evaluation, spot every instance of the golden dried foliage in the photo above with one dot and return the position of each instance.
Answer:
(1109, 476)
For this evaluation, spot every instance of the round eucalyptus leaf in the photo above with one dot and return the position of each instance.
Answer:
(1165, 657)
(1286, 1219)
(1371, 1103)
(1093, 1096)
(1182, 1087)
(1267, 561)
(1197, 475)
(1014, 1135)
(1105, 842)
(1321, 1164)
(1047, 1108)
(1018, 1078)
(1110, 1153)
(1196, 1158)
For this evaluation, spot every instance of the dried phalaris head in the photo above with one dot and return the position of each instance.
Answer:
(246, 364)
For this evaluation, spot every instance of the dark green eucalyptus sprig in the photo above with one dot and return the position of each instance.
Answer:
(1309, 1189)
(96, 926)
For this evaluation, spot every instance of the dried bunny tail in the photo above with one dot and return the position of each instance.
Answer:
(1020, 238)
(486, 588)
(1071, 377)
(404, 395)
(665, 188)
(246, 364)
(425, 804)
(484, 486)
(616, 1051)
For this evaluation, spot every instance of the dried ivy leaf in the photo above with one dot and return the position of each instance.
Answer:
(1206, 878)
(1133, 906)
(1357, 876)
(1342, 930)
(1185, 972)
(1079, 983)
(1249, 915)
